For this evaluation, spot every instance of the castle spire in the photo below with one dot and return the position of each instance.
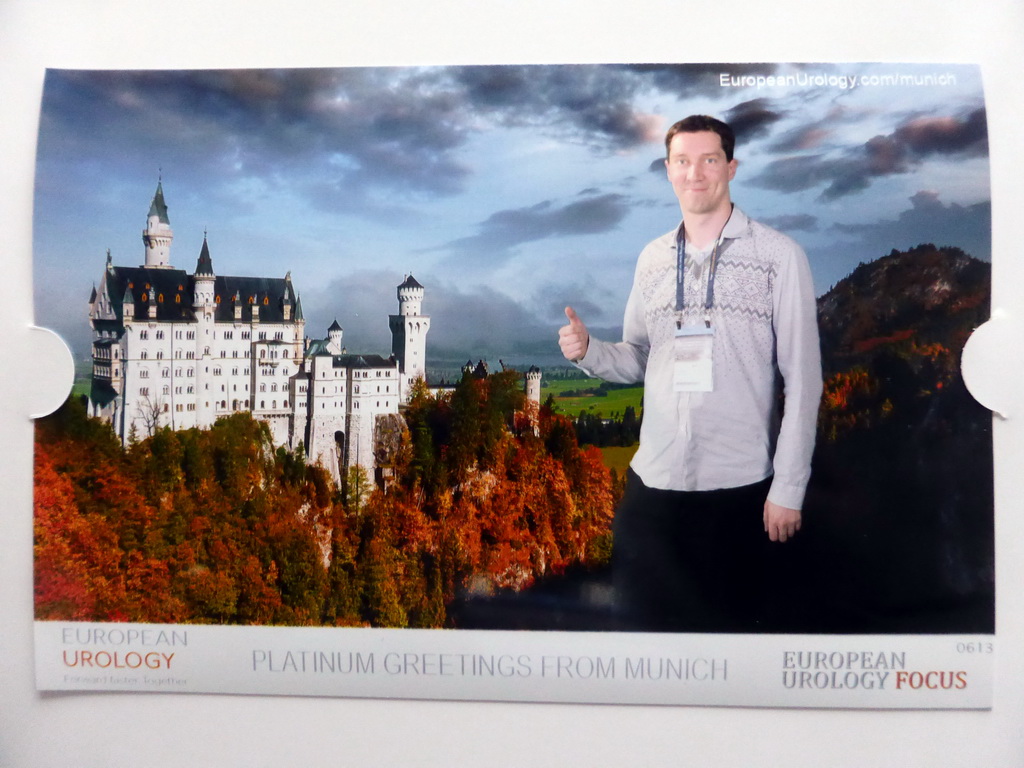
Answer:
(205, 264)
(157, 235)
(158, 207)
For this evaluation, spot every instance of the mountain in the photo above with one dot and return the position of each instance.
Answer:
(926, 294)
(899, 512)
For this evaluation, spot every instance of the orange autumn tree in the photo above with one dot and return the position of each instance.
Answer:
(217, 526)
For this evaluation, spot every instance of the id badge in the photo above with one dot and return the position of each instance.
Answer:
(692, 370)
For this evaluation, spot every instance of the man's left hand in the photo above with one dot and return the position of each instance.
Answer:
(781, 523)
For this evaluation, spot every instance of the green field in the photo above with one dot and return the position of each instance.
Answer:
(614, 403)
(618, 458)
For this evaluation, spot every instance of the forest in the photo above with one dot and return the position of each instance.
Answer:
(485, 492)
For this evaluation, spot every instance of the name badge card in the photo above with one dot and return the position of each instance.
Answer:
(692, 370)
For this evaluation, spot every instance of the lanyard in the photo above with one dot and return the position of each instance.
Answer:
(709, 299)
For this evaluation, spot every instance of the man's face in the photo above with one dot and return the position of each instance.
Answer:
(699, 172)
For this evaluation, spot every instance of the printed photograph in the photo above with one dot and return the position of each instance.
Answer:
(633, 348)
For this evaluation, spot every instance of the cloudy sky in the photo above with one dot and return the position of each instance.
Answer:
(507, 191)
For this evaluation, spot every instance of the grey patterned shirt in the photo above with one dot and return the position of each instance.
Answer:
(765, 343)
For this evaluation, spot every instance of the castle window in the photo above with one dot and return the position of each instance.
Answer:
(143, 374)
(144, 391)
(284, 404)
(160, 298)
(159, 354)
(144, 355)
(143, 334)
(160, 334)
(266, 300)
(177, 300)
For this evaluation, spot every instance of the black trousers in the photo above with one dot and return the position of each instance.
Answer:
(691, 561)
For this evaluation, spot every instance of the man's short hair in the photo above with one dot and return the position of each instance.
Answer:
(699, 123)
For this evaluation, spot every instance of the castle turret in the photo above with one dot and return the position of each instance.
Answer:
(409, 334)
(203, 297)
(157, 235)
(533, 384)
(334, 334)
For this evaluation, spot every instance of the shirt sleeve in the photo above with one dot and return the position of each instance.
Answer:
(623, 362)
(798, 355)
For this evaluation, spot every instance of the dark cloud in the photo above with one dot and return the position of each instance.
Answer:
(792, 174)
(946, 135)
(801, 139)
(752, 119)
(798, 222)
(898, 153)
(506, 229)
(592, 102)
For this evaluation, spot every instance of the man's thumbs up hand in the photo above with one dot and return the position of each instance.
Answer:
(574, 337)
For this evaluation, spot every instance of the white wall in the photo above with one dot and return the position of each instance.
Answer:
(185, 730)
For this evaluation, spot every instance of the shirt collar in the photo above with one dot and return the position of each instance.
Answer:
(737, 226)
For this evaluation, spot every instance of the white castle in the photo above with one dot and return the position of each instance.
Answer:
(180, 350)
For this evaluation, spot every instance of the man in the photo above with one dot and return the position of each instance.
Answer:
(720, 322)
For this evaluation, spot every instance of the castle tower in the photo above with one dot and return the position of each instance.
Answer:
(409, 334)
(157, 235)
(533, 385)
(204, 305)
(533, 397)
(334, 334)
